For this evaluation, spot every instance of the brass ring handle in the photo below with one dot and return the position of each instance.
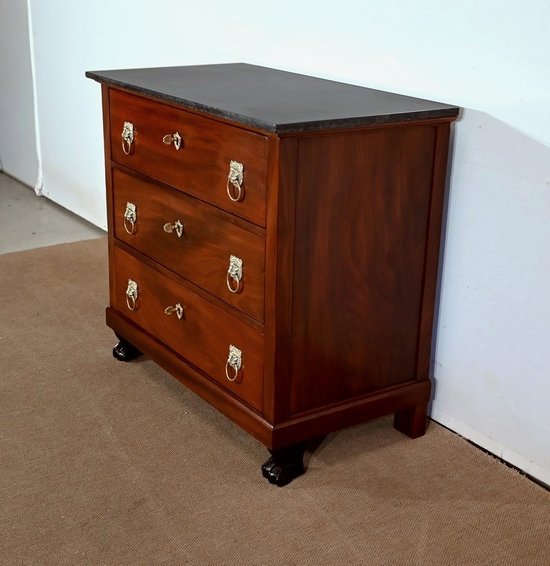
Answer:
(234, 274)
(177, 226)
(127, 137)
(126, 146)
(233, 287)
(239, 192)
(131, 295)
(235, 372)
(174, 138)
(234, 185)
(234, 361)
(131, 223)
(130, 218)
(177, 308)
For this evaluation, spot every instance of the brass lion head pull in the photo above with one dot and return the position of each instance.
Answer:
(234, 363)
(234, 274)
(235, 179)
(127, 137)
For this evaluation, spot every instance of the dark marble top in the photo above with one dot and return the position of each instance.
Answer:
(272, 100)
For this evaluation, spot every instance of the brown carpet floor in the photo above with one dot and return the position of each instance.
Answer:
(103, 463)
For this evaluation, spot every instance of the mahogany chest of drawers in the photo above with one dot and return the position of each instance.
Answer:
(273, 244)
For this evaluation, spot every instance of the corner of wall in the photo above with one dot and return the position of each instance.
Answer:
(39, 184)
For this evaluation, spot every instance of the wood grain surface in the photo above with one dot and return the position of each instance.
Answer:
(203, 334)
(201, 166)
(203, 251)
(362, 208)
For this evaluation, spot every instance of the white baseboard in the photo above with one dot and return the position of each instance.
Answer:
(494, 447)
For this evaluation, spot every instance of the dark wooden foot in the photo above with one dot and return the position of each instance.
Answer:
(284, 465)
(124, 351)
(411, 421)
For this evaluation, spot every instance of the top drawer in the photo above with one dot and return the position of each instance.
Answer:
(202, 163)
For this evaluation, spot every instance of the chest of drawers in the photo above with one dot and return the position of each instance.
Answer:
(273, 244)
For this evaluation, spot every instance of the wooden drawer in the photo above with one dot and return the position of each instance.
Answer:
(204, 333)
(201, 166)
(202, 253)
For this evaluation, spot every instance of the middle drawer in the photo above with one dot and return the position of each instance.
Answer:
(193, 239)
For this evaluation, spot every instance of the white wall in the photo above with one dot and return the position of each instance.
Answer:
(18, 150)
(492, 357)
(492, 350)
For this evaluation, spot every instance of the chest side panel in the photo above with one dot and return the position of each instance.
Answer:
(362, 208)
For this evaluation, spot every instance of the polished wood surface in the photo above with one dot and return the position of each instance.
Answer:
(203, 251)
(201, 166)
(319, 422)
(431, 259)
(202, 336)
(359, 262)
(197, 381)
(279, 277)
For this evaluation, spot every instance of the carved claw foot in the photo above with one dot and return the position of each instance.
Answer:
(124, 351)
(284, 465)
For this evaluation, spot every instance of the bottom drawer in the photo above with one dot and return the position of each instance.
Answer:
(225, 348)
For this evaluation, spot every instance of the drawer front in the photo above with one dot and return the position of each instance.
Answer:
(199, 248)
(201, 165)
(204, 333)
